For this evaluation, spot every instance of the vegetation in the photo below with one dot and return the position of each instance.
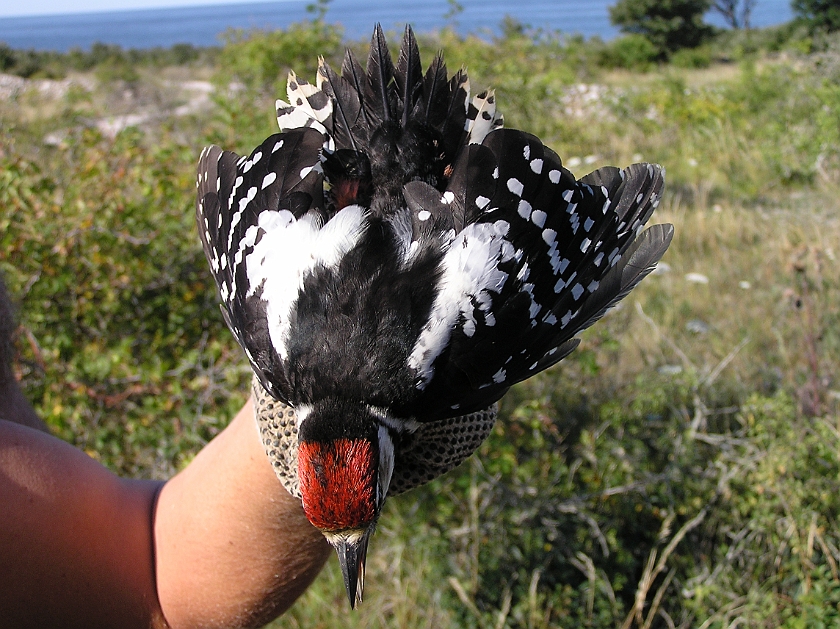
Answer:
(818, 14)
(680, 469)
(49, 64)
(669, 25)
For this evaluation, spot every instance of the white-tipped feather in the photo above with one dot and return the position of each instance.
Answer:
(300, 92)
(486, 118)
(299, 112)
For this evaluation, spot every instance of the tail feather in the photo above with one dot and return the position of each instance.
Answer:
(482, 117)
(351, 71)
(409, 75)
(435, 107)
(308, 97)
(453, 128)
(347, 108)
(380, 73)
(308, 106)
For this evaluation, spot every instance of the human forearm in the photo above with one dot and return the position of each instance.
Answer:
(233, 548)
(75, 539)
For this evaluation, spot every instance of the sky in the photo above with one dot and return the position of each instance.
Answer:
(9, 8)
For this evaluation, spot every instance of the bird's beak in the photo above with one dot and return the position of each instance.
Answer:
(351, 556)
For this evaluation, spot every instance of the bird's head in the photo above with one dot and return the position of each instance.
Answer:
(345, 462)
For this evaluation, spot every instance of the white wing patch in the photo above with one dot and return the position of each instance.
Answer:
(288, 252)
(470, 272)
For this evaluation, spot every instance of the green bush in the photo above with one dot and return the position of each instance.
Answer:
(820, 15)
(632, 52)
(126, 349)
(670, 25)
(736, 44)
(7, 57)
(260, 60)
(116, 69)
(700, 57)
(116, 61)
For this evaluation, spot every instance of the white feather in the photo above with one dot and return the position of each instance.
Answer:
(288, 252)
(470, 272)
(303, 114)
(478, 129)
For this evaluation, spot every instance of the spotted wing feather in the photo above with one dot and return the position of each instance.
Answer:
(542, 256)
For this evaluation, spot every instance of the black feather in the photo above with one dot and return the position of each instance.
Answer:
(281, 174)
(432, 108)
(455, 118)
(408, 75)
(380, 74)
(347, 108)
(351, 71)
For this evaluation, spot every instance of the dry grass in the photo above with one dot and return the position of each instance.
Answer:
(772, 281)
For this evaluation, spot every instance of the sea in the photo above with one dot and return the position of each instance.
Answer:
(204, 25)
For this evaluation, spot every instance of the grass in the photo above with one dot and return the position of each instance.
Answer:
(680, 469)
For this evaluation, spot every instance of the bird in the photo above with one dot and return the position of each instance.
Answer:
(391, 262)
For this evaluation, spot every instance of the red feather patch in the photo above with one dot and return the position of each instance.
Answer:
(338, 483)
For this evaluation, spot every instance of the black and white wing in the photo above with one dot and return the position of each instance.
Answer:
(536, 257)
(256, 215)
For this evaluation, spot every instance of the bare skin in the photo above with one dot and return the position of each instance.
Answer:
(75, 539)
(79, 544)
(234, 548)
(222, 544)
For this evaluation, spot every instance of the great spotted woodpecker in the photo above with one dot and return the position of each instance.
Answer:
(392, 262)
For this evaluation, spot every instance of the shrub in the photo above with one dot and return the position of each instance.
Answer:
(7, 57)
(670, 25)
(700, 57)
(823, 15)
(125, 344)
(632, 52)
(261, 59)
